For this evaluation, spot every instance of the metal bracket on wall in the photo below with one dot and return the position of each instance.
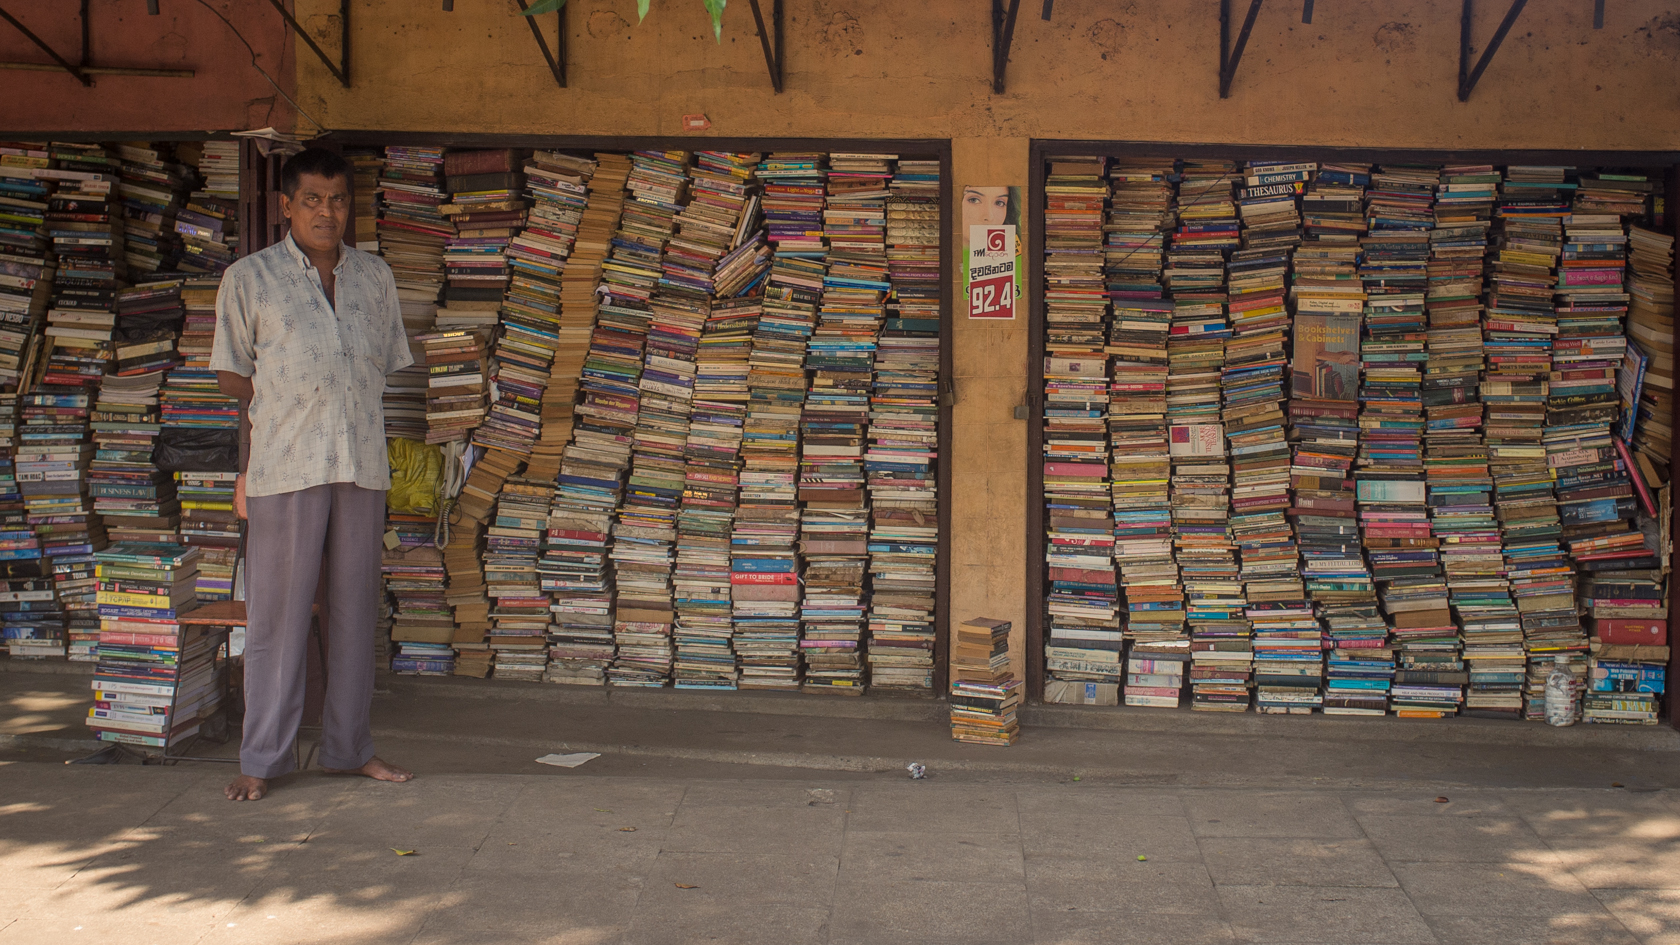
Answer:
(341, 72)
(557, 59)
(82, 72)
(772, 58)
(1003, 34)
(1230, 58)
(1468, 77)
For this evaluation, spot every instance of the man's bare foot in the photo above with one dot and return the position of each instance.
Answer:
(246, 788)
(377, 770)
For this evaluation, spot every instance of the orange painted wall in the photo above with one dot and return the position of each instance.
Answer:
(225, 94)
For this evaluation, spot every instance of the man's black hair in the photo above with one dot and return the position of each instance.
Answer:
(318, 161)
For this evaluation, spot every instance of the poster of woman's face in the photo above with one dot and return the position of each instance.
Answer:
(984, 206)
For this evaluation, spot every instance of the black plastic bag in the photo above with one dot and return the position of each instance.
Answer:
(183, 449)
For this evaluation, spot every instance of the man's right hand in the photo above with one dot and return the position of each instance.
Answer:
(239, 496)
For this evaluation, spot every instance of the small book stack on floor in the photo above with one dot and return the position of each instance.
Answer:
(156, 679)
(984, 692)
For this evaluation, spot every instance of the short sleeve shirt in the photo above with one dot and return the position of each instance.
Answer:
(318, 370)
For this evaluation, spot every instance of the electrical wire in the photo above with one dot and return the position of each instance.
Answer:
(253, 51)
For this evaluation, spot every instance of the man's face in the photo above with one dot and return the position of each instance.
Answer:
(319, 211)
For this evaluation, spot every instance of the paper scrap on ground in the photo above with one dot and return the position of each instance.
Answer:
(568, 761)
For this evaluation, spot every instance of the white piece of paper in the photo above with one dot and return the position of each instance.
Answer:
(568, 761)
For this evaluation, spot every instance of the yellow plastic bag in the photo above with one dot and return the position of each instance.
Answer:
(415, 471)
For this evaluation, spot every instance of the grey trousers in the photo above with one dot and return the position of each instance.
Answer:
(290, 537)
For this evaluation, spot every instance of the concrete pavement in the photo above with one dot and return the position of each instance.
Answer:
(796, 823)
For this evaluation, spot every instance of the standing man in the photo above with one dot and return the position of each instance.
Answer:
(306, 331)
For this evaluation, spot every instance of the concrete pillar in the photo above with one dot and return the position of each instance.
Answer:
(988, 445)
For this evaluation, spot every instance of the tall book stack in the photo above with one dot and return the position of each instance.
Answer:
(20, 549)
(558, 187)
(520, 608)
(1519, 325)
(1193, 275)
(152, 189)
(1084, 600)
(1323, 427)
(406, 390)
(412, 231)
(1650, 312)
(26, 268)
(984, 692)
(716, 351)
(763, 565)
(767, 520)
(85, 224)
(156, 680)
(1140, 466)
(208, 224)
(592, 395)
(834, 527)
(644, 535)
(596, 434)
(1288, 651)
(488, 210)
(135, 499)
(1323, 410)
(52, 469)
(904, 437)
(1197, 278)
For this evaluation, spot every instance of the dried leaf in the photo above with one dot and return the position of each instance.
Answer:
(686, 886)
(627, 830)
(402, 852)
(602, 810)
(1440, 800)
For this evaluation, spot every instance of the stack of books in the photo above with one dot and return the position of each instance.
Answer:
(1084, 627)
(984, 691)
(834, 527)
(455, 383)
(135, 499)
(521, 609)
(208, 224)
(152, 188)
(1205, 549)
(903, 439)
(156, 680)
(412, 230)
(656, 405)
(573, 572)
(27, 267)
(1650, 311)
(763, 565)
(588, 357)
(1140, 466)
(422, 625)
(559, 186)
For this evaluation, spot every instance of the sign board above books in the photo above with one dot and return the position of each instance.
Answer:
(991, 219)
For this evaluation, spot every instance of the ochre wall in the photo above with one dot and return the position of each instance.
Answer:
(1366, 72)
(225, 94)
(1375, 73)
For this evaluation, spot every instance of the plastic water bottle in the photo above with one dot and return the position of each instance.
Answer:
(1560, 694)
